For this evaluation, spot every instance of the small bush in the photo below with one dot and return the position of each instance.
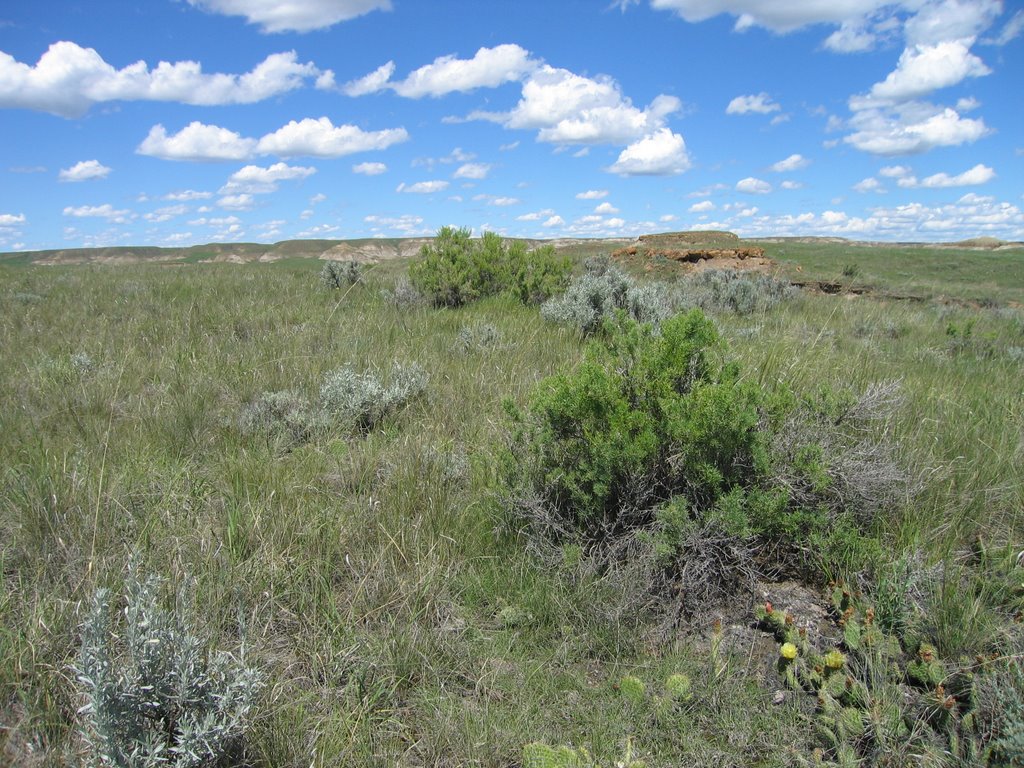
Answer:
(455, 269)
(360, 401)
(537, 275)
(482, 337)
(596, 296)
(403, 295)
(834, 452)
(1000, 712)
(285, 415)
(339, 274)
(155, 696)
(726, 290)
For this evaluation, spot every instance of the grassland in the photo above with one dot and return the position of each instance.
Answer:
(399, 622)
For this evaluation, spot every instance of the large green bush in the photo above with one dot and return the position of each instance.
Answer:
(455, 269)
(655, 437)
(647, 416)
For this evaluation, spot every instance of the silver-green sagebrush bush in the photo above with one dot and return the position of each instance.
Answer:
(403, 295)
(362, 400)
(480, 337)
(280, 415)
(728, 290)
(596, 296)
(155, 695)
(349, 399)
(339, 274)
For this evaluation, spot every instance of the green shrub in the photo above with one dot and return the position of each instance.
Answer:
(654, 447)
(155, 695)
(645, 417)
(456, 269)
(1000, 715)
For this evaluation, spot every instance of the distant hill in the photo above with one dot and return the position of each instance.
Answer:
(366, 250)
(374, 250)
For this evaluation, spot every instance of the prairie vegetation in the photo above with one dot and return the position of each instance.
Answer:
(335, 518)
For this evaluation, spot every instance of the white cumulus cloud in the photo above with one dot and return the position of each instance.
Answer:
(188, 195)
(84, 170)
(423, 187)
(760, 103)
(554, 221)
(68, 79)
(870, 184)
(472, 171)
(606, 208)
(753, 186)
(979, 174)
(912, 128)
(895, 171)
(702, 207)
(592, 194)
(489, 68)
(370, 169)
(536, 215)
(371, 83)
(926, 68)
(791, 163)
(776, 15)
(166, 213)
(661, 154)
(321, 138)
(851, 37)
(105, 211)
(242, 202)
(566, 108)
(257, 180)
(11, 219)
(293, 15)
(197, 141)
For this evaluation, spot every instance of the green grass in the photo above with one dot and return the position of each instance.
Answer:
(978, 276)
(399, 623)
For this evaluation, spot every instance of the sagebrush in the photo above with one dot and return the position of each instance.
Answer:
(155, 693)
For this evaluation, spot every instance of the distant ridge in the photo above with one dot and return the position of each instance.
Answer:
(374, 250)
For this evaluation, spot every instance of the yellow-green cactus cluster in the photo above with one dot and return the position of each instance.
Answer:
(926, 670)
(538, 755)
(632, 689)
(677, 686)
(834, 659)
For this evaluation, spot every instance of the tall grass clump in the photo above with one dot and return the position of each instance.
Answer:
(340, 274)
(155, 695)
(455, 269)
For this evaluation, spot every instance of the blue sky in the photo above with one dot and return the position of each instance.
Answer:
(175, 122)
